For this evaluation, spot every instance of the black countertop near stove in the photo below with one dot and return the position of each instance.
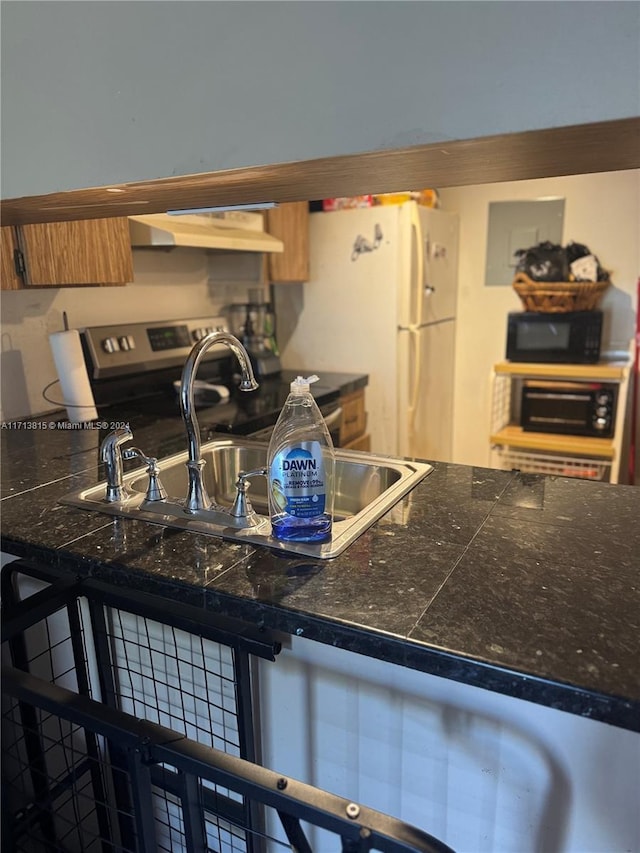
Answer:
(521, 584)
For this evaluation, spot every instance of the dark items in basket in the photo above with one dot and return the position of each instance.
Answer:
(544, 262)
(550, 262)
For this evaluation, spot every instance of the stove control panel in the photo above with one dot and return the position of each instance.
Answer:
(129, 348)
(162, 338)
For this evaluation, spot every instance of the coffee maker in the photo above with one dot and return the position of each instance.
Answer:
(252, 322)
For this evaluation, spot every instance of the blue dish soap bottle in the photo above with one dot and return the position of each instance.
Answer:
(301, 469)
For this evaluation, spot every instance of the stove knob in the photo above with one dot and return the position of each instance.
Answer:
(600, 423)
(124, 343)
(110, 345)
(196, 334)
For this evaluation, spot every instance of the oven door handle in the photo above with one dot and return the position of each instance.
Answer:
(333, 418)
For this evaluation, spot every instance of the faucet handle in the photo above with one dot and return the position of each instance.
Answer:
(136, 453)
(242, 505)
(155, 489)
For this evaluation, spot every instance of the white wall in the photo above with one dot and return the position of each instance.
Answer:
(483, 772)
(601, 211)
(102, 92)
(167, 285)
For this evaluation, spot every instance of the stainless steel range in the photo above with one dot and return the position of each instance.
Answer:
(134, 368)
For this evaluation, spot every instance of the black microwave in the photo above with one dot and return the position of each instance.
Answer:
(573, 408)
(569, 338)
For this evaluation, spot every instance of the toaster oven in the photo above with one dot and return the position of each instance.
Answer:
(573, 408)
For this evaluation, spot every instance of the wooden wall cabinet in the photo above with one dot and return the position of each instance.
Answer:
(353, 429)
(290, 223)
(91, 252)
(10, 278)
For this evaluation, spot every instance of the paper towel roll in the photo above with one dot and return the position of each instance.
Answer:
(77, 395)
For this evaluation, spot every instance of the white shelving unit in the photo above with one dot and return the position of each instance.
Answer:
(586, 457)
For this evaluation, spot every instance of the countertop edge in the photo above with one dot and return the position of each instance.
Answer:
(561, 696)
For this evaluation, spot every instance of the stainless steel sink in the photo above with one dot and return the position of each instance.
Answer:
(366, 486)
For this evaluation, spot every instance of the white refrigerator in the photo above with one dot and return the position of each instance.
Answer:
(381, 299)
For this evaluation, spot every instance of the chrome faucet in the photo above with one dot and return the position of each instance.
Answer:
(111, 455)
(197, 497)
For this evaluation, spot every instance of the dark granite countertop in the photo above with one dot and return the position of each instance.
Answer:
(521, 584)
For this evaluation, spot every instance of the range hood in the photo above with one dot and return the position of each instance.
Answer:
(203, 231)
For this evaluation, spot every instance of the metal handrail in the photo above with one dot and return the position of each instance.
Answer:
(147, 744)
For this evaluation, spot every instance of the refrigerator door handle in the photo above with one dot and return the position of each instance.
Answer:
(426, 286)
(414, 391)
(415, 313)
(415, 322)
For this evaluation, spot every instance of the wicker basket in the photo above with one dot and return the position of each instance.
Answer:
(558, 296)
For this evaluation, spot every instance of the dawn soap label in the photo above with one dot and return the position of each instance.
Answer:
(298, 480)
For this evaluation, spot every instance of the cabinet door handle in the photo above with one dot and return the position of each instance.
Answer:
(18, 263)
(334, 418)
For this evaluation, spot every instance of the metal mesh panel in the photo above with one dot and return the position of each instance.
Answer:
(558, 465)
(500, 402)
(150, 670)
(167, 815)
(58, 784)
(175, 679)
